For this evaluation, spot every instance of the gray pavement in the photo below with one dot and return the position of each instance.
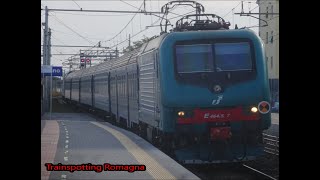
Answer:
(84, 140)
(43, 123)
(274, 128)
(275, 118)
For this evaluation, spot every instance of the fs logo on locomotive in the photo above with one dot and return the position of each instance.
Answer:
(216, 102)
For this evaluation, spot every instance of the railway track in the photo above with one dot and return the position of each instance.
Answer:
(262, 168)
(262, 174)
(266, 167)
(271, 144)
(231, 172)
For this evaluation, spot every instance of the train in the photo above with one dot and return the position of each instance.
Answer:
(200, 93)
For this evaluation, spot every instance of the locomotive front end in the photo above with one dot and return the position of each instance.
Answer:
(214, 95)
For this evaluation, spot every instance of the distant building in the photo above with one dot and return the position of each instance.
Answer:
(270, 35)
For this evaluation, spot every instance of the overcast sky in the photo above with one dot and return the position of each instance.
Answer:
(87, 28)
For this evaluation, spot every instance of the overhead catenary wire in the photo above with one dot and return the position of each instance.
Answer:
(139, 8)
(151, 10)
(82, 14)
(86, 38)
(182, 14)
(151, 19)
(254, 8)
(123, 27)
(129, 4)
(158, 15)
(231, 10)
(118, 41)
(257, 25)
(76, 4)
(147, 28)
(149, 13)
(58, 20)
(73, 46)
(250, 10)
(58, 31)
(61, 41)
(134, 35)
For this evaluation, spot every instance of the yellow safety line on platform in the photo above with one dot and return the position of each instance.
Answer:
(152, 166)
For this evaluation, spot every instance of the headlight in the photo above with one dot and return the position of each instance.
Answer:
(181, 113)
(254, 109)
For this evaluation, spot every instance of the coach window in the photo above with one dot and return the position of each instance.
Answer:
(119, 85)
(135, 85)
(132, 83)
(130, 87)
(132, 90)
(122, 85)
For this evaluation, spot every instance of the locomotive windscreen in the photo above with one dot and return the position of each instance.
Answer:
(194, 58)
(233, 56)
(213, 57)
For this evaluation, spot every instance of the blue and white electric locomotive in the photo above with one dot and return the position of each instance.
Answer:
(200, 92)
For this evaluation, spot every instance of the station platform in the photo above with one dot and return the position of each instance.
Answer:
(274, 128)
(275, 118)
(86, 144)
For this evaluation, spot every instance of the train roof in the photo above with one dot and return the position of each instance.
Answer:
(73, 74)
(88, 71)
(154, 43)
(126, 59)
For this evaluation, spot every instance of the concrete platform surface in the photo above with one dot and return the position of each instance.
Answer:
(78, 139)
